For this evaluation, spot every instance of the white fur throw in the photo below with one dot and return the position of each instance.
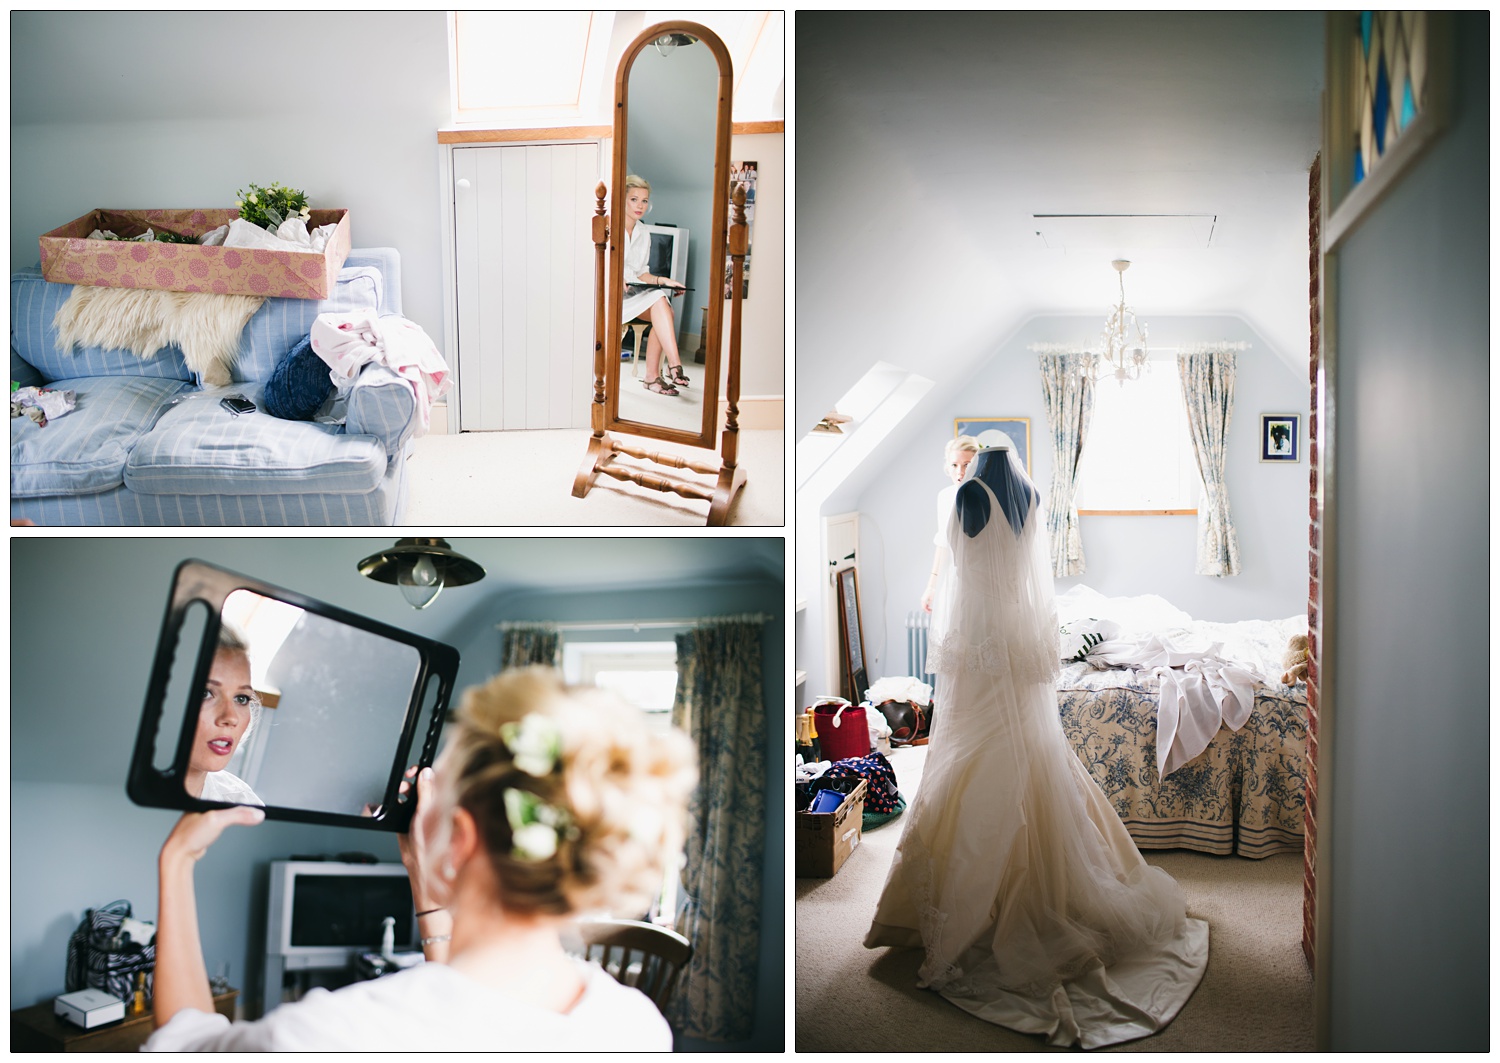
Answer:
(204, 325)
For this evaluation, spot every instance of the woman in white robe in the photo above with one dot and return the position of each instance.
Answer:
(1014, 875)
(649, 304)
(546, 803)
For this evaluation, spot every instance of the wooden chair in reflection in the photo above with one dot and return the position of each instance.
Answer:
(641, 955)
(642, 329)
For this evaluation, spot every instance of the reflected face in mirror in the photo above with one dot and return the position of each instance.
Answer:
(300, 711)
(637, 203)
(225, 716)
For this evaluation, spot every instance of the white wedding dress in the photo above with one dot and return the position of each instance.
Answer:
(1015, 876)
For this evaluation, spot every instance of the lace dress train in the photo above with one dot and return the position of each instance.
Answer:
(1014, 875)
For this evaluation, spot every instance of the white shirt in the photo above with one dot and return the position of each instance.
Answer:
(225, 786)
(430, 1008)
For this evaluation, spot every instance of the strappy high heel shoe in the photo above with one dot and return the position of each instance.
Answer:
(677, 375)
(659, 386)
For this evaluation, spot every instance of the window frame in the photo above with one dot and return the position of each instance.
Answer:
(1195, 483)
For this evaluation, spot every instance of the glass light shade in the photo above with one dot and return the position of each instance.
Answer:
(420, 582)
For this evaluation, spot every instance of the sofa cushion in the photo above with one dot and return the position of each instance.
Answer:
(281, 324)
(273, 331)
(34, 302)
(85, 451)
(200, 448)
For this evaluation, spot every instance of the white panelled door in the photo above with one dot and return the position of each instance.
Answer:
(525, 284)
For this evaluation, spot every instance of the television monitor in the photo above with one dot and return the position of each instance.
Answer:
(321, 914)
(669, 258)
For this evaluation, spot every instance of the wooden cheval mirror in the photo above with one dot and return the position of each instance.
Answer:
(673, 95)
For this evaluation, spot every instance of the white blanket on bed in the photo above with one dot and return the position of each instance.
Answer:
(1205, 672)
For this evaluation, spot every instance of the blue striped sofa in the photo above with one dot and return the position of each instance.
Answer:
(147, 445)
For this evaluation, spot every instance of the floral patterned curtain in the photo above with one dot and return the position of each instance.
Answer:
(529, 644)
(720, 706)
(1208, 392)
(1068, 390)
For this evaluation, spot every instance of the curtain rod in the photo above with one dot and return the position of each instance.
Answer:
(634, 625)
(1193, 348)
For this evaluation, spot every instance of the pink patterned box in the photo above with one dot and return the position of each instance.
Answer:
(69, 257)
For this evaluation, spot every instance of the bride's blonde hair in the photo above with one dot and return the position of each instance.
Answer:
(622, 789)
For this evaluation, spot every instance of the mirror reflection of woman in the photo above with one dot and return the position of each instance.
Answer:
(227, 713)
(651, 304)
(546, 804)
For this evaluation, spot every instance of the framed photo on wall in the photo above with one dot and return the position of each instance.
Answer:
(1280, 438)
(988, 431)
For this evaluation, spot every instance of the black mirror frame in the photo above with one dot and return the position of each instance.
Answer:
(198, 581)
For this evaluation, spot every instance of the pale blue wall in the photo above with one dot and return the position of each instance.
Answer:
(1409, 823)
(181, 109)
(1125, 555)
(86, 613)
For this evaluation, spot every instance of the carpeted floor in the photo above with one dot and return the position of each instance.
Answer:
(1256, 995)
(526, 478)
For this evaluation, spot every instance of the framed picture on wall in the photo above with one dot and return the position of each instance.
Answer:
(989, 430)
(742, 173)
(1280, 439)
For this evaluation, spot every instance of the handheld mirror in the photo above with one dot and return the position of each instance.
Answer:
(264, 696)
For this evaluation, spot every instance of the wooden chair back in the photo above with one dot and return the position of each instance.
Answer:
(641, 955)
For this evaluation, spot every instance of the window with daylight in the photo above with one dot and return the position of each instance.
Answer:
(645, 675)
(515, 68)
(1138, 457)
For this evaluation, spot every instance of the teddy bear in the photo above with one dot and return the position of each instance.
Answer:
(1295, 661)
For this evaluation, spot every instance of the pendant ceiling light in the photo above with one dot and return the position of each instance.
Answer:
(668, 41)
(421, 568)
(1125, 356)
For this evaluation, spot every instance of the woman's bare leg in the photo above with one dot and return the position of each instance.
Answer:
(653, 355)
(664, 332)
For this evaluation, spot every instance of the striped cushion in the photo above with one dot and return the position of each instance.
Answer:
(199, 448)
(382, 405)
(85, 451)
(274, 330)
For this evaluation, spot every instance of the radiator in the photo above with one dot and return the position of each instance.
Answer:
(917, 624)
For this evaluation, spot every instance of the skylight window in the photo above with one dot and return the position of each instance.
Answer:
(518, 68)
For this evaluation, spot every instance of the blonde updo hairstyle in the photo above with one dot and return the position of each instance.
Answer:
(953, 446)
(624, 789)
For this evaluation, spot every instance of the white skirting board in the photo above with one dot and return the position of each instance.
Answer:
(756, 411)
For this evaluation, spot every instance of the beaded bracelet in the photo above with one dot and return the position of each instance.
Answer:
(434, 940)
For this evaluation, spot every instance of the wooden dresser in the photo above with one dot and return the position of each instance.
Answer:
(36, 1029)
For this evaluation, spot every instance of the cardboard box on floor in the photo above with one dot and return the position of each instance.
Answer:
(825, 840)
(70, 257)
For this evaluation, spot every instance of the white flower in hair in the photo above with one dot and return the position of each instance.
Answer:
(535, 825)
(535, 744)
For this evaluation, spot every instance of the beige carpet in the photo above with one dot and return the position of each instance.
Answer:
(1256, 995)
(526, 478)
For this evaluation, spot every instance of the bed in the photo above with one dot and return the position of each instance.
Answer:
(1243, 793)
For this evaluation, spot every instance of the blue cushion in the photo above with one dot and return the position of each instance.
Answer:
(85, 451)
(273, 331)
(299, 386)
(200, 448)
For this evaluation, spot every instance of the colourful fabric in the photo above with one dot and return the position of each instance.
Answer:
(1208, 392)
(721, 706)
(883, 795)
(1068, 390)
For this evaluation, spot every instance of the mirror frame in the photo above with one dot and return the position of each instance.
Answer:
(198, 581)
(717, 244)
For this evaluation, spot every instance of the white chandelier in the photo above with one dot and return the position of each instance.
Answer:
(1124, 358)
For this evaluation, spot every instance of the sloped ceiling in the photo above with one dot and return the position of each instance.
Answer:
(927, 142)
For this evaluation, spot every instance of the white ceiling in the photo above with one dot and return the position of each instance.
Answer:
(927, 142)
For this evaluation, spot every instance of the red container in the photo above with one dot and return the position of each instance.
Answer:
(843, 731)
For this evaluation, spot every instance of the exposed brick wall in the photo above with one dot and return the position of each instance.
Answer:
(1315, 559)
